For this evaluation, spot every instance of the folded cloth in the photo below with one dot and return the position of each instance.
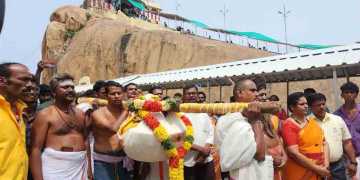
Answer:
(127, 162)
(64, 165)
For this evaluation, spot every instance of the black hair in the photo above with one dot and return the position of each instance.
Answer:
(274, 98)
(309, 91)
(316, 97)
(55, 81)
(232, 99)
(98, 85)
(112, 83)
(5, 69)
(187, 87)
(88, 93)
(44, 88)
(130, 84)
(293, 99)
(153, 88)
(178, 94)
(349, 86)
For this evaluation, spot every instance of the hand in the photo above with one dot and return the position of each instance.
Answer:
(351, 169)
(200, 159)
(277, 161)
(252, 112)
(45, 64)
(322, 171)
(41, 65)
(205, 151)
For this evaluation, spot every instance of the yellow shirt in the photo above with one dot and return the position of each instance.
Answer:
(335, 131)
(13, 156)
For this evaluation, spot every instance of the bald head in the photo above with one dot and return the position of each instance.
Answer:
(245, 91)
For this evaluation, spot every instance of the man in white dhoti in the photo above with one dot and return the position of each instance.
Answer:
(59, 136)
(240, 138)
(199, 162)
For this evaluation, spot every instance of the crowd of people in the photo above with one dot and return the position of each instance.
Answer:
(50, 132)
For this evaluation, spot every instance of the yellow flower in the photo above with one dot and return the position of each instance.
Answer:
(161, 133)
(172, 152)
(187, 145)
(142, 114)
(189, 131)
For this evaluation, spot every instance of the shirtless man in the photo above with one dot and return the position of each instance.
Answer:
(108, 156)
(59, 136)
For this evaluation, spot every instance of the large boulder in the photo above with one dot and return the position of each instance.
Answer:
(108, 45)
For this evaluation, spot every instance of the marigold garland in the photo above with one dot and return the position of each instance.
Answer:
(151, 103)
(175, 154)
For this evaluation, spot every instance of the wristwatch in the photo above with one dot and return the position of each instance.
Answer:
(354, 163)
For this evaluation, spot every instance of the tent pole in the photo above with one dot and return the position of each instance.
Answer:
(287, 94)
(208, 86)
(346, 75)
(220, 92)
(166, 92)
(278, 48)
(336, 91)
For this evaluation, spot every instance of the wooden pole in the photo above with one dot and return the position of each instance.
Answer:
(209, 91)
(220, 94)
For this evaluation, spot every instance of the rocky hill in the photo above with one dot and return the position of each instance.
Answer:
(105, 45)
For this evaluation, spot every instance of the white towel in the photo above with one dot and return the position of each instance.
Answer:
(64, 165)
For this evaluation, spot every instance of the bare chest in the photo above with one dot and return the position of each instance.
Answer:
(67, 125)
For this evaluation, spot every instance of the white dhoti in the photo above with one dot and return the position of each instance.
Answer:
(237, 147)
(267, 168)
(64, 165)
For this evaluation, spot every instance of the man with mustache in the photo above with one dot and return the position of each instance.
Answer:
(59, 135)
(29, 96)
(110, 161)
(13, 156)
(199, 162)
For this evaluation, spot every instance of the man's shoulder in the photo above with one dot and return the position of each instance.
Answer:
(45, 114)
(228, 120)
(335, 117)
(99, 111)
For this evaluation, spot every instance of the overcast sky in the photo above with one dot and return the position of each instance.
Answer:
(310, 21)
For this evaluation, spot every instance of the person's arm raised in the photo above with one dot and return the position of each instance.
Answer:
(252, 113)
(101, 121)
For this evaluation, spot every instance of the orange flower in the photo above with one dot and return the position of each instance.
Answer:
(181, 151)
(151, 121)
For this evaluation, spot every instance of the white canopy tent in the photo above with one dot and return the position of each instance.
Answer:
(124, 80)
(340, 61)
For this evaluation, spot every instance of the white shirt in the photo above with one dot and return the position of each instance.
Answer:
(237, 147)
(335, 131)
(203, 134)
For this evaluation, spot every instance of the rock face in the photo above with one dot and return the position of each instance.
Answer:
(104, 45)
